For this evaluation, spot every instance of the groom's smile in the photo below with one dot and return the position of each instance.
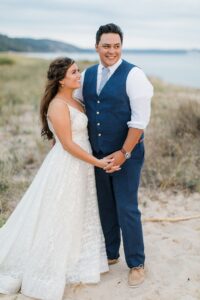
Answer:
(109, 48)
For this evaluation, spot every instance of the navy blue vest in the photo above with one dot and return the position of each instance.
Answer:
(108, 112)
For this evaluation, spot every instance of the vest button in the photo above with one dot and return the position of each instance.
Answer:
(98, 124)
(99, 134)
(98, 101)
(97, 112)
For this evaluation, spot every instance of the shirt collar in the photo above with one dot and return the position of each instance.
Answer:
(111, 68)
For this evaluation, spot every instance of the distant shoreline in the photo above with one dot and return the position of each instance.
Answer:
(126, 51)
(28, 44)
(178, 68)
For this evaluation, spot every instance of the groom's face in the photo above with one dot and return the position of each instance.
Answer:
(109, 48)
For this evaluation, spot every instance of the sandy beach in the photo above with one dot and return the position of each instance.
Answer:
(172, 255)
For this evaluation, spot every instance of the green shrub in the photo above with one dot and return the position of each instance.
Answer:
(6, 61)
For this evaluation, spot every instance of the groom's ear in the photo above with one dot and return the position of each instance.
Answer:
(96, 47)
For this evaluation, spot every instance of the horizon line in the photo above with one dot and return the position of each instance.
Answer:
(124, 49)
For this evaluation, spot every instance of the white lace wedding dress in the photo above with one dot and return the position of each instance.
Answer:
(54, 236)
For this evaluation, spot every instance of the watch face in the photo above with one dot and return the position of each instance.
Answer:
(128, 155)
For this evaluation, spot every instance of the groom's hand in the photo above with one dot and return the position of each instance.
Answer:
(118, 160)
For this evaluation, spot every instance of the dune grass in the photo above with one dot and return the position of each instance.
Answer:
(4, 60)
(172, 138)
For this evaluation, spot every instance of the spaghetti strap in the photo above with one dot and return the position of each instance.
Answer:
(69, 105)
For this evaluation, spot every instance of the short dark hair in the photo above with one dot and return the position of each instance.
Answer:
(108, 28)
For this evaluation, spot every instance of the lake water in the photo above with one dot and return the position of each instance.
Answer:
(182, 69)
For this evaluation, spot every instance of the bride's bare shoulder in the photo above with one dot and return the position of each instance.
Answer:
(57, 106)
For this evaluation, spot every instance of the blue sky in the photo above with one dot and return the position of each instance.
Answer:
(145, 23)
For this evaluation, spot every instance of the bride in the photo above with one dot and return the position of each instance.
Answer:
(54, 235)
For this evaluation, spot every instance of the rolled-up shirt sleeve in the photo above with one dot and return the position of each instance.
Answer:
(140, 91)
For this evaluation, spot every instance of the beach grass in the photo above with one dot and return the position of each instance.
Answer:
(172, 139)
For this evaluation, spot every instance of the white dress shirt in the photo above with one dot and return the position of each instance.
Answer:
(139, 91)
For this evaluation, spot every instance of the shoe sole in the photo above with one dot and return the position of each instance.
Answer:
(136, 286)
(113, 262)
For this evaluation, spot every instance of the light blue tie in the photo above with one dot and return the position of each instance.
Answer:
(104, 78)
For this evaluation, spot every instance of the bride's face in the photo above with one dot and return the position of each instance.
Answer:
(72, 77)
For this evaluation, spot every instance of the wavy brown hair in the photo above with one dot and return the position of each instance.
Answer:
(57, 71)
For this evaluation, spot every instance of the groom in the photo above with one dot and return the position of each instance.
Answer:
(117, 97)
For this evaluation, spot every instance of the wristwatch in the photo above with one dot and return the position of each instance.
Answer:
(127, 155)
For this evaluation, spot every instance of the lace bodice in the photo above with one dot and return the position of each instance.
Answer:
(79, 123)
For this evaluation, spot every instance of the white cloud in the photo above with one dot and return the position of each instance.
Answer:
(146, 23)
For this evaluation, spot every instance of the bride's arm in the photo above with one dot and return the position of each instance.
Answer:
(59, 116)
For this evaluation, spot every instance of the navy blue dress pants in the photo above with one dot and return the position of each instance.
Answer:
(118, 207)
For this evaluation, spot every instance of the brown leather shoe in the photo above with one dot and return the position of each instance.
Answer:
(113, 261)
(136, 276)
